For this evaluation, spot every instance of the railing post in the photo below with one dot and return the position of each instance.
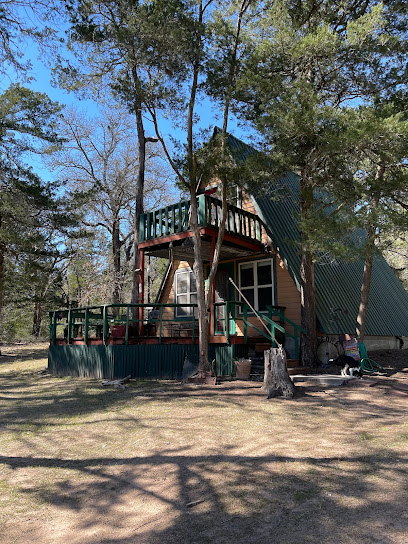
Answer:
(50, 335)
(86, 326)
(127, 326)
(105, 325)
(245, 318)
(149, 226)
(201, 210)
(173, 220)
(54, 329)
(186, 211)
(69, 334)
(142, 226)
(161, 324)
(227, 325)
(258, 230)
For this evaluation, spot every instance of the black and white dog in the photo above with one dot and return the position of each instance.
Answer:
(349, 366)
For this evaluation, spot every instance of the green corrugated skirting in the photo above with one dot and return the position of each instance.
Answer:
(140, 361)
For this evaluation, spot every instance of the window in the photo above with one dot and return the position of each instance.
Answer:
(234, 195)
(185, 290)
(256, 281)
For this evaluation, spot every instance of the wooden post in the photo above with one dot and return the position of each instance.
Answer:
(277, 382)
(212, 309)
(54, 328)
(127, 326)
(141, 291)
(69, 335)
(105, 325)
(86, 332)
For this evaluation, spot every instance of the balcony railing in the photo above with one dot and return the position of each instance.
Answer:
(174, 219)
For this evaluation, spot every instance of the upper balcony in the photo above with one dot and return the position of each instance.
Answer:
(170, 225)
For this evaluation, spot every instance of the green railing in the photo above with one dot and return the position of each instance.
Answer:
(173, 219)
(225, 318)
(225, 322)
(130, 321)
(297, 329)
(110, 321)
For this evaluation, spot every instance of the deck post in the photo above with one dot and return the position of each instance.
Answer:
(212, 312)
(142, 226)
(202, 219)
(54, 329)
(245, 320)
(105, 325)
(69, 335)
(127, 326)
(86, 326)
(141, 291)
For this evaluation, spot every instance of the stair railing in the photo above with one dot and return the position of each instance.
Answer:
(297, 329)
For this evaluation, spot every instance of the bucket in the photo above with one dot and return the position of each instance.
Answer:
(243, 369)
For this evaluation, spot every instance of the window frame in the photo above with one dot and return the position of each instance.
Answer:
(188, 293)
(256, 286)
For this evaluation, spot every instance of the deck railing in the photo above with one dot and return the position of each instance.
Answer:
(174, 219)
(127, 322)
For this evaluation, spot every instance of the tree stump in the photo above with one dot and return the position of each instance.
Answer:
(277, 382)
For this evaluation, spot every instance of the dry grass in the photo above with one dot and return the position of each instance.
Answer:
(165, 462)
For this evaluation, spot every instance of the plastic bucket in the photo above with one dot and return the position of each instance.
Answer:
(243, 369)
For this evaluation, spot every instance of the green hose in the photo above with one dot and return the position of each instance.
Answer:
(367, 365)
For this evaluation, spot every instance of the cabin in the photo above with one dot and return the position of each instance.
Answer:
(255, 298)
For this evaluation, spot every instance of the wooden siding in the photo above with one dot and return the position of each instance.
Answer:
(287, 293)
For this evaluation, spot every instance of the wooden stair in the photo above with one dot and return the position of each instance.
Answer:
(294, 368)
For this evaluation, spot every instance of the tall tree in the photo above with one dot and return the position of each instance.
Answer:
(27, 126)
(308, 61)
(99, 159)
(378, 156)
(212, 61)
(128, 45)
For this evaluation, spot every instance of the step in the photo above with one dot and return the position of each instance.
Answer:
(295, 371)
(292, 363)
(327, 380)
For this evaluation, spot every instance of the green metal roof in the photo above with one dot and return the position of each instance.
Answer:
(338, 283)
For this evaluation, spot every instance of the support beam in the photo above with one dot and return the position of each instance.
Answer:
(141, 291)
(212, 309)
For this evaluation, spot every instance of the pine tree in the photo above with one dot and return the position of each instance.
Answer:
(308, 62)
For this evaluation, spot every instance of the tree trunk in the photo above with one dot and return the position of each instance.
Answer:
(2, 254)
(37, 318)
(141, 139)
(277, 382)
(307, 282)
(116, 292)
(368, 263)
(365, 292)
(198, 268)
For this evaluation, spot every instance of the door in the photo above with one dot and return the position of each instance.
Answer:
(224, 292)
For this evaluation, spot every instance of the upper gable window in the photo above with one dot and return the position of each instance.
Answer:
(234, 194)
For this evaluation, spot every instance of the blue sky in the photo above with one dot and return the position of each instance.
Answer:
(42, 81)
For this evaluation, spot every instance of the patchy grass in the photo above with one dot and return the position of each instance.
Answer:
(165, 462)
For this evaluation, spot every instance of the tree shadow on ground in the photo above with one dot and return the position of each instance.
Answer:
(174, 497)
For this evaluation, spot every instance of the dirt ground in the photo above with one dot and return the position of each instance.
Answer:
(163, 462)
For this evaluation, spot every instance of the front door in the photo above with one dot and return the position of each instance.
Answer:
(224, 291)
